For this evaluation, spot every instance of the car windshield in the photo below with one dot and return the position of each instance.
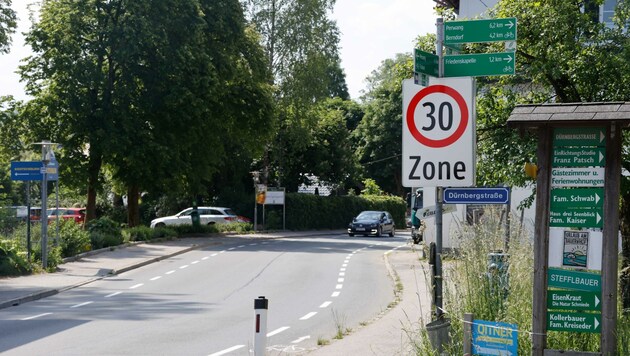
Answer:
(229, 212)
(369, 215)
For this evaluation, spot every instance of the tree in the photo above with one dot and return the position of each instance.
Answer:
(147, 89)
(8, 24)
(379, 135)
(301, 46)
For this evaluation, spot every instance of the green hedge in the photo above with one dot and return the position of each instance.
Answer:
(308, 212)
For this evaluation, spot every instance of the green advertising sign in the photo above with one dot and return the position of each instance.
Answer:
(578, 218)
(574, 280)
(577, 322)
(573, 300)
(480, 64)
(489, 30)
(576, 198)
(426, 63)
(579, 157)
(579, 136)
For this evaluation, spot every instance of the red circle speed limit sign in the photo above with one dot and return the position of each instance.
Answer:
(438, 133)
(440, 116)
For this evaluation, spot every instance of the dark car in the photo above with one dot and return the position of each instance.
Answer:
(372, 223)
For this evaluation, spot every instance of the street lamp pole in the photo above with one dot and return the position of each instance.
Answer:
(256, 176)
(47, 154)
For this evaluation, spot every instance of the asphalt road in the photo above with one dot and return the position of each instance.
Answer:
(202, 302)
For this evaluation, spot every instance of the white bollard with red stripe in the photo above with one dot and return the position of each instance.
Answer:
(260, 328)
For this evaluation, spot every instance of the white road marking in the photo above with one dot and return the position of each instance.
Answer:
(278, 331)
(340, 280)
(170, 272)
(344, 265)
(353, 252)
(335, 294)
(298, 340)
(339, 286)
(231, 248)
(205, 258)
(81, 304)
(233, 348)
(342, 269)
(214, 254)
(194, 262)
(308, 316)
(136, 286)
(346, 262)
(184, 266)
(113, 294)
(241, 246)
(325, 304)
(254, 244)
(222, 251)
(36, 316)
(341, 274)
(264, 243)
(155, 278)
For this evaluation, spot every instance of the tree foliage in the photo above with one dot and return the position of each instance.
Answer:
(8, 24)
(301, 47)
(154, 91)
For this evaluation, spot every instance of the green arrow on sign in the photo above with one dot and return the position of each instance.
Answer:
(426, 63)
(488, 30)
(480, 64)
(578, 322)
(579, 157)
(586, 218)
(574, 280)
(580, 136)
(573, 300)
(573, 198)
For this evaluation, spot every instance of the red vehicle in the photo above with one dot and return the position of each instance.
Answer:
(76, 214)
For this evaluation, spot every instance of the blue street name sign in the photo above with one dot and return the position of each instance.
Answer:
(33, 170)
(477, 195)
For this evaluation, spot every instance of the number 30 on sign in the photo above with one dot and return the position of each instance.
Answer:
(438, 133)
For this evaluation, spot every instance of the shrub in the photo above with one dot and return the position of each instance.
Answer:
(140, 233)
(104, 232)
(74, 239)
(12, 262)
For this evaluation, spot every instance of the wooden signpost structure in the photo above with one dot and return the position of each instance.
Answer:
(582, 126)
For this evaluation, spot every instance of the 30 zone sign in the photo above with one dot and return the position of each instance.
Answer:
(438, 133)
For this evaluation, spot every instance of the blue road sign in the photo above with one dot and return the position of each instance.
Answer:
(477, 195)
(494, 338)
(33, 170)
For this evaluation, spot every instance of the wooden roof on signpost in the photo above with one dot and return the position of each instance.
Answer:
(530, 116)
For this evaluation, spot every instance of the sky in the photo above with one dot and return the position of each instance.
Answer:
(371, 31)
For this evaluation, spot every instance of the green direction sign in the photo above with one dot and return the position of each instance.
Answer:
(578, 322)
(573, 198)
(426, 63)
(578, 218)
(480, 64)
(492, 30)
(574, 280)
(579, 157)
(579, 136)
(573, 300)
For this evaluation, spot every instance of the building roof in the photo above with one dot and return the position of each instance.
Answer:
(575, 114)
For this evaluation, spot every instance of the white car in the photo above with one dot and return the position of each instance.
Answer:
(208, 215)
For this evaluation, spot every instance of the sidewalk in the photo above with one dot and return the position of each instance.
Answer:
(395, 331)
(391, 334)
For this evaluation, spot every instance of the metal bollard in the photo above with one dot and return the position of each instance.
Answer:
(260, 329)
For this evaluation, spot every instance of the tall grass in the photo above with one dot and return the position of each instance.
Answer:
(471, 287)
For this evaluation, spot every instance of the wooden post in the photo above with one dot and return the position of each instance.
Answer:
(610, 246)
(541, 241)
(468, 320)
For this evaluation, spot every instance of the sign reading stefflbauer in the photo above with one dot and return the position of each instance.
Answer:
(494, 338)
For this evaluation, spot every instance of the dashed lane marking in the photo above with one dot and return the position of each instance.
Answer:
(36, 316)
(278, 331)
(136, 286)
(228, 350)
(81, 304)
(325, 304)
(308, 316)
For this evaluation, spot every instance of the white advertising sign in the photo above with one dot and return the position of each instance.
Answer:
(274, 197)
(438, 133)
(575, 248)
